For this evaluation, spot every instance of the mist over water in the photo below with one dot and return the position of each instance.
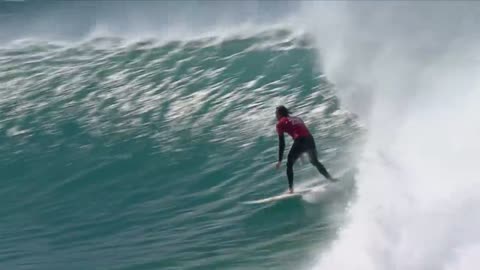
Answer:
(127, 139)
(165, 20)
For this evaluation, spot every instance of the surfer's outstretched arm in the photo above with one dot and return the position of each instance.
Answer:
(281, 147)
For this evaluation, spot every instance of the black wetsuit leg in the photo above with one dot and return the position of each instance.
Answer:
(311, 149)
(297, 149)
(300, 146)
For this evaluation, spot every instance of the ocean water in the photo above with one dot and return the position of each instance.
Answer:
(131, 133)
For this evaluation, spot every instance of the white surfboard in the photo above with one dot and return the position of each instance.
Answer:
(286, 196)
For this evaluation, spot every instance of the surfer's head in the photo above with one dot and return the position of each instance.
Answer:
(281, 111)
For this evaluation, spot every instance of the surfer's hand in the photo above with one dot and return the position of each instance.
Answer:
(278, 165)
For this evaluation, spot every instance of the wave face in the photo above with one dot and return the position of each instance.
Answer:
(137, 155)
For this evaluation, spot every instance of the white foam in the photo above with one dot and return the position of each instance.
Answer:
(418, 186)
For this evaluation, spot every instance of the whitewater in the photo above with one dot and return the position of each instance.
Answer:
(131, 132)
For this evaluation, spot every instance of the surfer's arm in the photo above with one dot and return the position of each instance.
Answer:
(281, 146)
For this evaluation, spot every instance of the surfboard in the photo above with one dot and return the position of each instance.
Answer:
(286, 196)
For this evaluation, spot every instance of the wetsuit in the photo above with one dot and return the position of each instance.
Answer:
(302, 142)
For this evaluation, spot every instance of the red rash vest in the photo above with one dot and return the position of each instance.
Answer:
(293, 126)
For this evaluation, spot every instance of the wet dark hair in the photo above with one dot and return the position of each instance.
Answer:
(283, 111)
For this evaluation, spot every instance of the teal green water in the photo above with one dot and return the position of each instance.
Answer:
(121, 155)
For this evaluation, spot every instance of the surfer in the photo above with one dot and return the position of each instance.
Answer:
(303, 142)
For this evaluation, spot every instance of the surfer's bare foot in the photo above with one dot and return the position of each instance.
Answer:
(290, 190)
(333, 179)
